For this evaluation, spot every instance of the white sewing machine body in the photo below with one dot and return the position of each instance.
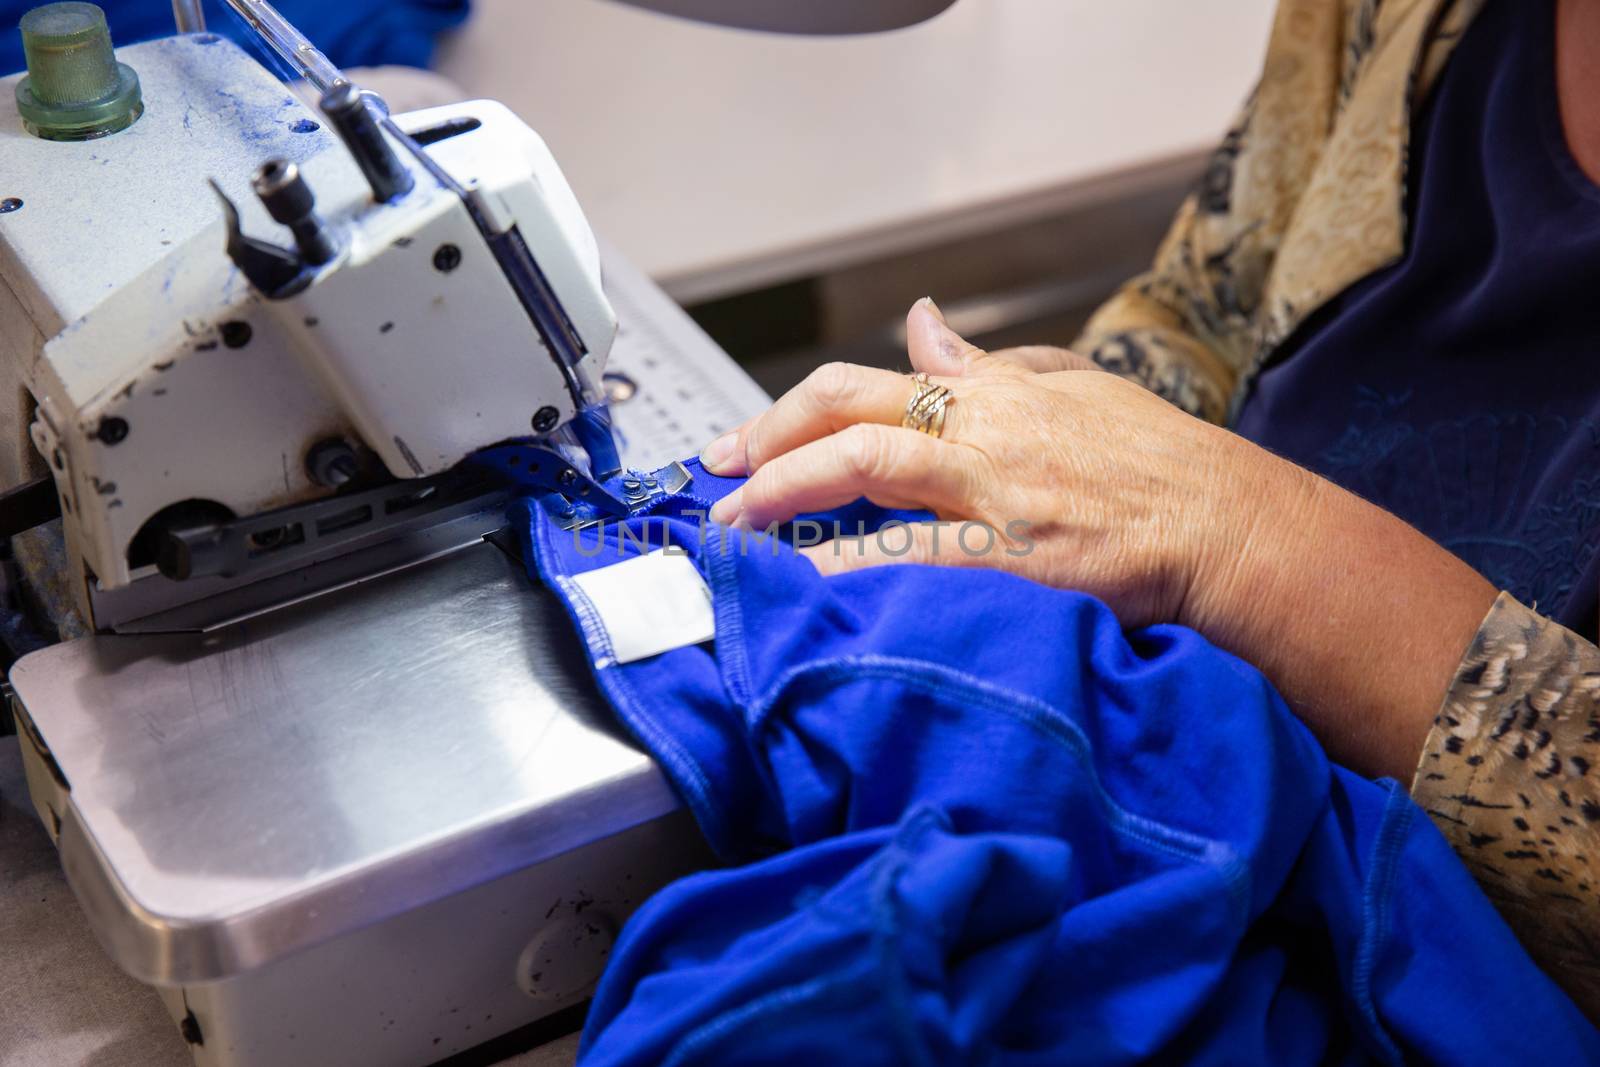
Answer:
(349, 796)
(164, 379)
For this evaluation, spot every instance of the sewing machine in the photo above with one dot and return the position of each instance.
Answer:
(322, 765)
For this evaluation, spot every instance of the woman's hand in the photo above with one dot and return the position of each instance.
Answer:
(1089, 482)
(1042, 359)
(1086, 480)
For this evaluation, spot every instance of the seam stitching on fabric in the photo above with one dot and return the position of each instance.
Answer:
(1050, 721)
(722, 573)
(701, 1041)
(886, 927)
(1375, 915)
(869, 974)
(687, 774)
(595, 633)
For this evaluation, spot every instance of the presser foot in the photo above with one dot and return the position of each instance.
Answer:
(573, 498)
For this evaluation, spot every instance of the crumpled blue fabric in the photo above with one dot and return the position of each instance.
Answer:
(352, 33)
(974, 822)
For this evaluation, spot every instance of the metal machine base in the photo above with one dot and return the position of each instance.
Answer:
(374, 828)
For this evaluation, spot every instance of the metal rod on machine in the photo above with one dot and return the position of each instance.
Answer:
(355, 114)
(347, 109)
(188, 16)
(295, 48)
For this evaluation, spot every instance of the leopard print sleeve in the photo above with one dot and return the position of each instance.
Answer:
(1511, 774)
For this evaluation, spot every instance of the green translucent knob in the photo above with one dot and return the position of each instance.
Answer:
(75, 88)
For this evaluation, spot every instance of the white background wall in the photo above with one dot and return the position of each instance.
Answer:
(720, 158)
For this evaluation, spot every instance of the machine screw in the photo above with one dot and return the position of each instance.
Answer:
(112, 430)
(10, 204)
(446, 259)
(331, 463)
(567, 477)
(544, 420)
(236, 334)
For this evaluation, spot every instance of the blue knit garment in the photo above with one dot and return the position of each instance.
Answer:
(352, 33)
(973, 821)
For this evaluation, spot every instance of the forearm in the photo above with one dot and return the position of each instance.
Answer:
(1405, 662)
(1359, 620)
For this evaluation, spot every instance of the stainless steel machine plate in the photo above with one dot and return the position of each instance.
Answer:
(238, 795)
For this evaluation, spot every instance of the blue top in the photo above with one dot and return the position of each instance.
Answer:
(955, 849)
(1460, 387)
(351, 33)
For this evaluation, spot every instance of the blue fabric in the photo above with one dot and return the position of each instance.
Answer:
(352, 33)
(975, 822)
(1457, 388)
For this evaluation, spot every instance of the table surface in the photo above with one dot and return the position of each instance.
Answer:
(719, 160)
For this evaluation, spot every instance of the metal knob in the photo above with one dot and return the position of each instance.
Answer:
(289, 200)
(332, 463)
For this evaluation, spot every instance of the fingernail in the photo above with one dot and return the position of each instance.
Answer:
(718, 452)
(931, 306)
(726, 511)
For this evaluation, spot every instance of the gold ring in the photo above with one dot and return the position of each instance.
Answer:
(925, 410)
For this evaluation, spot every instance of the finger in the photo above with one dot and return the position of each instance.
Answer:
(891, 466)
(832, 397)
(719, 456)
(935, 348)
(948, 544)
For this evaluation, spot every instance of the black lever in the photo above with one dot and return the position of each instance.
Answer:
(272, 270)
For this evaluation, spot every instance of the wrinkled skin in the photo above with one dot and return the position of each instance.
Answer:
(1088, 481)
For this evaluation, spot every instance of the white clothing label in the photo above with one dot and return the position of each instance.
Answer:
(650, 604)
